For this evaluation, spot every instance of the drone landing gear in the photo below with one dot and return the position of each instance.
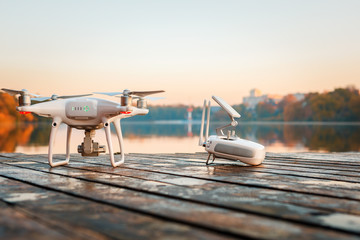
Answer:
(55, 126)
(207, 161)
(116, 123)
(91, 148)
(88, 147)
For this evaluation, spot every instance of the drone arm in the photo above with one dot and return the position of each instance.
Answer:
(55, 126)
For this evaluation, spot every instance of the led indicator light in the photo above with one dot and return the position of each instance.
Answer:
(86, 108)
(24, 112)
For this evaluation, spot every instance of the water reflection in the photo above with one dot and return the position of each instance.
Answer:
(181, 136)
(314, 137)
(12, 135)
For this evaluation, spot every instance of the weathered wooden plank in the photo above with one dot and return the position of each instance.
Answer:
(344, 163)
(342, 205)
(226, 174)
(299, 171)
(201, 157)
(338, 157)
(269, 165)
(347, 157)
(170, 178)
(298, 184)
(339, 168)
(167, 166)
(351, 159)
(313, 216)
(307, 174)
(268, 161)
(89, 219)
(283, 161)
(309, 200)
(15, 224)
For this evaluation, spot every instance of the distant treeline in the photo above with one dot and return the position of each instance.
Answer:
(342, 104)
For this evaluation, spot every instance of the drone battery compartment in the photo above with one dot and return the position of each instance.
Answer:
(80, 110)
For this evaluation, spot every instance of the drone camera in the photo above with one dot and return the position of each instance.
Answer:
(89, 147)
(93, 151)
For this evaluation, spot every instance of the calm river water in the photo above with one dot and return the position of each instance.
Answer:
(177, 136)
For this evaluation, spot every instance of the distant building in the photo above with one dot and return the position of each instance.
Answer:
(256, 97)
(255, 93)
(299, 96)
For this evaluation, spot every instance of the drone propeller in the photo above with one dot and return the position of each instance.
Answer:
(54, 97)
(128, 93)
(144, 93)
(109, 93)
(149, 98)
(21, 92)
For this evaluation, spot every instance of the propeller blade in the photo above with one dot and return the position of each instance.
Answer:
(54, 97)
(14, 92)
(149, 98)
(154, 98)
(11, 91)
(144, 93)
(127, 92)
(74, 96)
(109, 93)
(41, 99)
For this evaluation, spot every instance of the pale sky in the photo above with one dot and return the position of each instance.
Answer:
(190, 49)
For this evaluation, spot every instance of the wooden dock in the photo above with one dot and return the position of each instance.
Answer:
(176, 196)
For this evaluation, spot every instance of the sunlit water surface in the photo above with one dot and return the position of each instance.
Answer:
(178, 137)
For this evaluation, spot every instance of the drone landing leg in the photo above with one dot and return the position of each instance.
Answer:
(54, 129)
(109, 141)
(121, 143)
(207, 161)
(213, 158)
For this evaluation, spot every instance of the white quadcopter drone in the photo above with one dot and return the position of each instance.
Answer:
(229, 146)
(84, 113)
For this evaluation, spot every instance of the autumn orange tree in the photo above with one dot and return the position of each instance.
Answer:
(8, 111)
(342, 104)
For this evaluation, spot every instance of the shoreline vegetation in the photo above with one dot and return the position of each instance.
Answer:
(340, 105)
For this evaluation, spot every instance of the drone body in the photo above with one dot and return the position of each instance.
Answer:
(82, 113)
(229, 146)
(87, 114)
